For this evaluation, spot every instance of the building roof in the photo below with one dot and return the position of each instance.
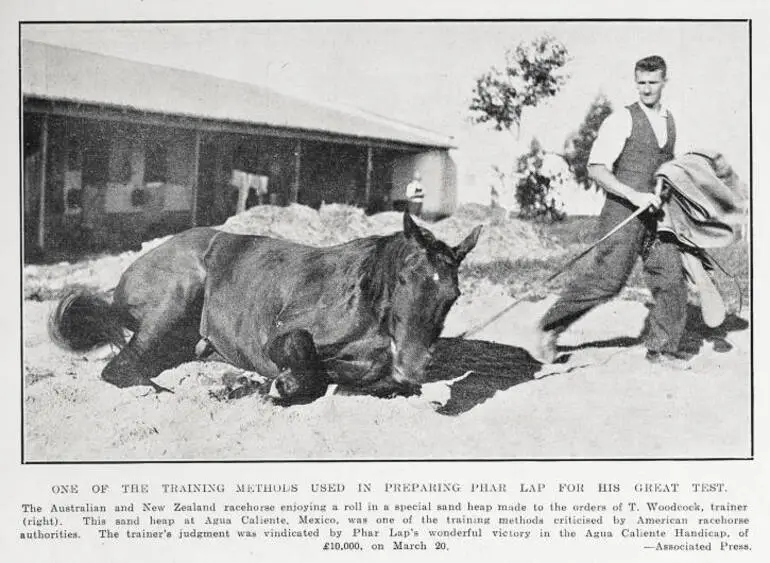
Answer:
(53, 72)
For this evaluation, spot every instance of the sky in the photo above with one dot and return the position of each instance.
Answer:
(423, 73)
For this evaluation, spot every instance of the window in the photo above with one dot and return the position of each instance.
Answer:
(155, 162)
(96, 161)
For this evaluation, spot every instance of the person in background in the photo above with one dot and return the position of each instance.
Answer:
(632, 143)
(415, 194)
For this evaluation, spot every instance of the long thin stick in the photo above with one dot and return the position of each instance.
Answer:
(560, 271)
(478, 327)
(614, 230)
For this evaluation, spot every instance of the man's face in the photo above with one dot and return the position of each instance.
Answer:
(650, 86)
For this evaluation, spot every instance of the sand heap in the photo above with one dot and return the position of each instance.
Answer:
(101, 272)
(510, 239)
(335, 224)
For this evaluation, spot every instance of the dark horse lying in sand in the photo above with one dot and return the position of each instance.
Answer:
(363, 315)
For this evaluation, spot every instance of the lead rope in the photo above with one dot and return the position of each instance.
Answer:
(559, 272)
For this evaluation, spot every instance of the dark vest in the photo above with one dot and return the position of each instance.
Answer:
(636, 166)
(641, 156)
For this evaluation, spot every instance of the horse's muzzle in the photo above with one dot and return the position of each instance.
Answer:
(409, 363)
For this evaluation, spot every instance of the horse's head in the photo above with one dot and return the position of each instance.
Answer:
(425, 288)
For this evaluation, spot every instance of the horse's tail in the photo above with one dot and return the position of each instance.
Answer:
(83, 320)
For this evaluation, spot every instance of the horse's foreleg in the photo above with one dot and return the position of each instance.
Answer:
(302, 377)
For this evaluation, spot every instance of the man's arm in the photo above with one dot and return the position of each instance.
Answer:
(606, 149)
(608, 181)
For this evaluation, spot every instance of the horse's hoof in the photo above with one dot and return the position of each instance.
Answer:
(204, 349)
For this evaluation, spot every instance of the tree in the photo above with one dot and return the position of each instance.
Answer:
(537, 192)
(577, 148)
(533, 72)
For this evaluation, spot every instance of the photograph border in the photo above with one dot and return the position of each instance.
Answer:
(751, 312)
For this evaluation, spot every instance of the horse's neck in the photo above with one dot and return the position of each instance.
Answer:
(345, 314)
(348, 321)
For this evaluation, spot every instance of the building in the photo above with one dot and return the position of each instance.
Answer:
(117, 151)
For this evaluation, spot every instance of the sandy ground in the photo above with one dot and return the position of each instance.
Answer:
(604, 401)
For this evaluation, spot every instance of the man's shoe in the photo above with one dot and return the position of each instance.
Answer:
(668, 360)
(545, 349)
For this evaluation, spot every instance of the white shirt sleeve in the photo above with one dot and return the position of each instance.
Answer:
(611, 139)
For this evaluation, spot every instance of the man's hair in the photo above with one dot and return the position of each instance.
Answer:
(651, 64)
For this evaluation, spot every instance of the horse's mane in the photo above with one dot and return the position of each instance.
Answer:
(378, 272)
(379, 269)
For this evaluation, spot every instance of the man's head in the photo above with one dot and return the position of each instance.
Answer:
(650, 77)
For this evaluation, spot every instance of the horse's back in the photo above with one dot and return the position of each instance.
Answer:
(258, 288)
(173, 270)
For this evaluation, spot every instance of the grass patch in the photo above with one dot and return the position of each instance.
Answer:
(575, 230)
(575, 234)
(518, 276)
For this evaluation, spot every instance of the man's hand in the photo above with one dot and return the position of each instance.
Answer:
(644, 200)
(610, 183)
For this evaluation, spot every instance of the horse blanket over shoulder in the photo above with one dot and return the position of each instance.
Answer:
(705, 210)
(707, 202)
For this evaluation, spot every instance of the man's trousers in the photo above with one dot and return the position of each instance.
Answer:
(613, 262)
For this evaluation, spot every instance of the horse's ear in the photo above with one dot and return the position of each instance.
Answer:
(462, 249)
(411, 230)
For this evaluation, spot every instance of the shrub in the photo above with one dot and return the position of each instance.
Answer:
(538, 192)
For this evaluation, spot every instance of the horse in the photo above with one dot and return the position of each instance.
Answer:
(363, 315)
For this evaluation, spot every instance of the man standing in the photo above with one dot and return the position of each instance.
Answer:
(415, 194)
(631, 145)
